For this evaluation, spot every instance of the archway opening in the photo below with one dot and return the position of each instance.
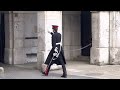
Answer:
(2, 37)
(77, 35)
(86, 36)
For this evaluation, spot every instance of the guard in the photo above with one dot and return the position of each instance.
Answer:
(56, 54)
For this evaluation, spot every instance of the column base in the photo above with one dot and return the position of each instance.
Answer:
(115, 56)
(99, 56)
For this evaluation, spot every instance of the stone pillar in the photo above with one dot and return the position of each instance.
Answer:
(45, 21)
(14, 34)
(71, 34)
(115, 37)
(18, 38)
(41, 38)
(8, 59)
(100, 38)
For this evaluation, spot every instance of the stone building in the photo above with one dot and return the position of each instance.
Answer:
(24, 37)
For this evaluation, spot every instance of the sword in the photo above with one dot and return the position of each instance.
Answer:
(46, 72)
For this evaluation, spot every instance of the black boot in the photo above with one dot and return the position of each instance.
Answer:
(64, 76)
(64, 71)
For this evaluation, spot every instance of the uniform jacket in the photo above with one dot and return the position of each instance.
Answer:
(56, 38)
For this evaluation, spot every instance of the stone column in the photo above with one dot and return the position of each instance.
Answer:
(71, 34)
(8, 59)
(115, 37)
(14, 35)
(41, 38)
(100, 38)
(18, 38)
(45, 21)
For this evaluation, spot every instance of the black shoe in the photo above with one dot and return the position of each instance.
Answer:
(64, 76)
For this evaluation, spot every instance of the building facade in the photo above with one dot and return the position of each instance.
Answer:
(27, 38)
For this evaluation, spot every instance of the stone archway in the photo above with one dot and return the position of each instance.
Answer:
(71, 33)
(105, 47)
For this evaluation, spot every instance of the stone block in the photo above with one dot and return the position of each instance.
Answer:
(30, 43)
(95, 29)
(66, 23)
(18, 17)
(75, 38)
(18, 43)
(75, 53)
(19, 25)
(19, 56)
(31, 50)
(18, 34)
(99, 56)
(8, 56)
(30, 58)
(40, 60)
(67, 52)
(67, 38)
(75, 23)
(104, 29)
(115, 56)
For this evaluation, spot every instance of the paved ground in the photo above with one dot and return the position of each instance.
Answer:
(29, 71)
(75, 69)
(101, 72)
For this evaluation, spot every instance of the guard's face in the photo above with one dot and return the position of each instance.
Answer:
(53, 30)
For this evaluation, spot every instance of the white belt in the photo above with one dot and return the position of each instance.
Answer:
(58, 43)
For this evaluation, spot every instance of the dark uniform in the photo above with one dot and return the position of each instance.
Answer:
(60, 60)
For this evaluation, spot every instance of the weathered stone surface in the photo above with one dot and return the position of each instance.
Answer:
(45, 21)
(115, 37)
(99, 56)
(19, 56)
(100, 38)
(40, 60)
(19, 43)
(71, 34)
(115, 56)
(8, 56)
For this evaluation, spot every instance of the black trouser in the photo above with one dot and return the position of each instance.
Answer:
(63, 66)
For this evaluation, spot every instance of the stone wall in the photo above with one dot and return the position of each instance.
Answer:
(45, 20)
(100, 38)
(71, 34)
(21, 37)
(114, 37)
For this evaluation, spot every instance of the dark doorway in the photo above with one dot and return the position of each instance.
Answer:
(86, 36)
(2, 37)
